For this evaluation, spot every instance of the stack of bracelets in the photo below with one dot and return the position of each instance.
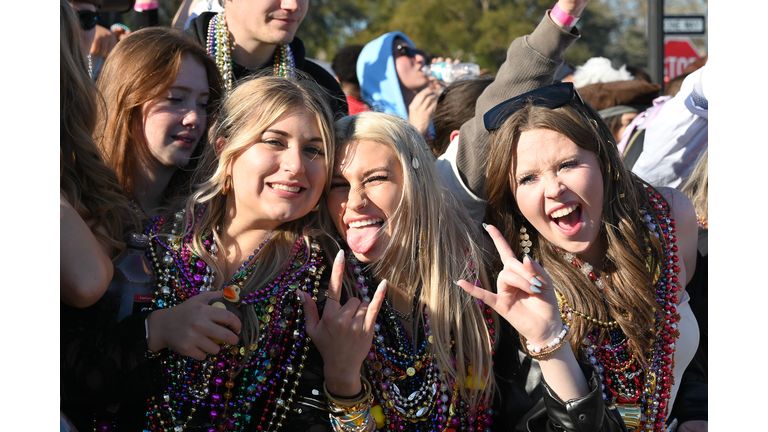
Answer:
(353, 415)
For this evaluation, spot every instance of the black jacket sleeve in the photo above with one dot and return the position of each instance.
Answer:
(525, 403)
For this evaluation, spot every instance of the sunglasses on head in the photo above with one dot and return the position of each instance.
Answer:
(408, 51)
(88, 19)
(551, 96)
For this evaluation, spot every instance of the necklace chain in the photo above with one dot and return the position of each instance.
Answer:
(641, 393)
(219, 48)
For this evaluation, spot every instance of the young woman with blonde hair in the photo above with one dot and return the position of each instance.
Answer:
(161, 90)
(224, 346)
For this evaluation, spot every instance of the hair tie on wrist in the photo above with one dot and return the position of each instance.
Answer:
(119, 25)
(563, 16)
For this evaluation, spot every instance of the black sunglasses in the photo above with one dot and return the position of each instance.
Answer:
(408, 51)
(551, 96)
(88, 19)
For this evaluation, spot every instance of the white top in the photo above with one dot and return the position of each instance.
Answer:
(678, 135)
(686, 345)
(448, 172)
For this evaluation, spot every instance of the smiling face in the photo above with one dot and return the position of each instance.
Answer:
(409, 68)
(173, 123)
(267, 21)
(281, 177)
(558, 187)
(365, 191)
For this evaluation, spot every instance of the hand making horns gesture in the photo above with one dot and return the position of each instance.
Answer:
(344, 334)
(525, 296)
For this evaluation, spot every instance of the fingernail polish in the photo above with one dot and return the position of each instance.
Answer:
(382, 285)
(536, 282)
(301, 295)
(534, 289)
(485, 225)
(527, 257)
(339, 257)
(456, 283)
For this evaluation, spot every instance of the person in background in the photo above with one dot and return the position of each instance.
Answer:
(455, 106)
(249, 36)
(94, 211)
(160, 89)
(344, 65)
(676, 134)
(619, 102)
(392, 80)
(696, 187)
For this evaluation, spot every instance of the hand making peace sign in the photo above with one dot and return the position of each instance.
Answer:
(525, 296)
(344, 334)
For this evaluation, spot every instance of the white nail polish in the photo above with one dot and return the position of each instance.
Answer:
(339, 257)
(382, 285)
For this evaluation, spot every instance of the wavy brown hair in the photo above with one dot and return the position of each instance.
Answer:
(142, 67)
(90, 186)
(433, 244)
(629, 296)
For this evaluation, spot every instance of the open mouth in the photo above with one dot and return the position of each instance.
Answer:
(282, 187)
(362, 234)
(567, 218)
(365, 223)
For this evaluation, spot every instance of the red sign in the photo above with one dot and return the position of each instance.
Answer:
(678, 54)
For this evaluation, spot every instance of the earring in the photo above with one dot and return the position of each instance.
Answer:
(525, 242)
(227, 185)
(316, 208)
(365, 202)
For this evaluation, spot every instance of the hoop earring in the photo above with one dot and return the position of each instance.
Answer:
(525, 242)
(227, 185)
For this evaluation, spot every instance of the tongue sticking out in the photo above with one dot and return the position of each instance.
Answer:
(570, 220)
(361, 239)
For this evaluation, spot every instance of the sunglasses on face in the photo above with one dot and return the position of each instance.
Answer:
(88, 19)
(551, 96)
(408, 51)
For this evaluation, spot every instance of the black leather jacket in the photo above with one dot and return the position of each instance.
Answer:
(529, 404)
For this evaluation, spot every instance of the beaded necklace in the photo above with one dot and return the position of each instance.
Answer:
(641, 395)
(702, 221)
(411, 393)
(241, 386)
(219, 48)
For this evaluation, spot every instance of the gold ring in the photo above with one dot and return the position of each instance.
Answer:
(332, 298)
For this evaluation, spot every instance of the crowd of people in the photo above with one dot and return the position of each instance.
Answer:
(375, 250)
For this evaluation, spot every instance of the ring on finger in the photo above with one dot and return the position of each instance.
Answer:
(332, 298)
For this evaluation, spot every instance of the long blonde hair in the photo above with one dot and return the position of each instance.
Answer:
(432, 245)
(246, 113)
(88, 183)
(629, 296)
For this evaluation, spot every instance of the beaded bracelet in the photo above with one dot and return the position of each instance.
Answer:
(347, 405)
(556, 344)
(352, 416)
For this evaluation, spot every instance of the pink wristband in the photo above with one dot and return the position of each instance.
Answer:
(141, 6)
(562, 16)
